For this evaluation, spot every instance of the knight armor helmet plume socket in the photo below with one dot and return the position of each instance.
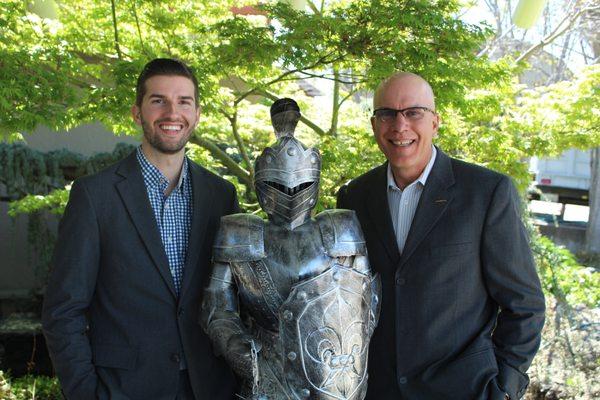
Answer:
(287, 174)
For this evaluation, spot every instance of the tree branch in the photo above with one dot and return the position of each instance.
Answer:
(335, 103)
(321, 61)
(240, 143)
(228, 162)
(312, 6)
(114, 18)
(139, 29)
(561, 28)
(333, 78)
(350, 93)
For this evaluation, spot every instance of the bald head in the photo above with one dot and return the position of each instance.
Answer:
(404, 84)
(406, 141)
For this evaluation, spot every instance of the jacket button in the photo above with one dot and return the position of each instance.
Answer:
(400, 281)
(402, 380)
(175, 358)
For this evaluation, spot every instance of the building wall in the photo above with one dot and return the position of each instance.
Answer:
(18, 261)
(85, 139)
(16, 276)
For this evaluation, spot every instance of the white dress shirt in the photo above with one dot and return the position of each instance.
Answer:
(403, 203)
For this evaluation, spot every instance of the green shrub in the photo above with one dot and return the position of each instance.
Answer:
(29, 387)
(563, 276)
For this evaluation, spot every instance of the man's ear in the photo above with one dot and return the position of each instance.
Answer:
(373, 124)
(198, 112)
(136, 114)
(436, 124)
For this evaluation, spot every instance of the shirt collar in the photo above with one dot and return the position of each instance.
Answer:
(153, 176)
(422, 179)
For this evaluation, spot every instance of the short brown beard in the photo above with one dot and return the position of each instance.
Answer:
(154, 141)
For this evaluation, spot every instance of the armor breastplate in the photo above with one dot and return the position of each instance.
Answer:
(310, 307)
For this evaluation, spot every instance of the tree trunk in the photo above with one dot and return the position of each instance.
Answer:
(592, 237)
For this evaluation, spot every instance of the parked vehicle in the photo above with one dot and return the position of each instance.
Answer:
(564, 179)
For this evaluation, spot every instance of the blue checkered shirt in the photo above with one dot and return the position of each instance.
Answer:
(173, 213)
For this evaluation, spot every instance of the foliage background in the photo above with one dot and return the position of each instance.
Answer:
(81, 65)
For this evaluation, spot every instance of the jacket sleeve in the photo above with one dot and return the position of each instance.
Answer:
(69, 293)
(235, 205)
(513, 283)
(341, 198)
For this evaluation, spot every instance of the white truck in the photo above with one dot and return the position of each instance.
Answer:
(564, 179)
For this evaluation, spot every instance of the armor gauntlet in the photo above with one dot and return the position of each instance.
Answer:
(221, 321)
(220, 315)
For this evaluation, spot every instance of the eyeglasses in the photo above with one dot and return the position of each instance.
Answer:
(410, 114)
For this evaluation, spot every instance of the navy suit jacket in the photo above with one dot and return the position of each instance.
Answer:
(114, 326)
(462, 308)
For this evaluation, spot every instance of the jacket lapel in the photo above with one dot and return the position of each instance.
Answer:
(379, 210)
(434, 201)
(202, 196)
(135, 197)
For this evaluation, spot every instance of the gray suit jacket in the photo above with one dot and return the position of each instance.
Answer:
(113, 323)
(462, 308)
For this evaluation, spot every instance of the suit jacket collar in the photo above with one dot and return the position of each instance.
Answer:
(433, 203)
(202, 204)
(379, 211)
(134, 195)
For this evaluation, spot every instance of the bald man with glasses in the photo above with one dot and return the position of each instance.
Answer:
(462, 307)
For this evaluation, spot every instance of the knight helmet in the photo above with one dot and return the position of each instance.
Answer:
(286, 175)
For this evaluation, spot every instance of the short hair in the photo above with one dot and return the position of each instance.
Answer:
(163, 66)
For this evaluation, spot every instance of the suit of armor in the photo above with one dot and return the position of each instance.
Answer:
(292, 303)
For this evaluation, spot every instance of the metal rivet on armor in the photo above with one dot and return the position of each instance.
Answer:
(336, 276)
(314, 158)
(365, 285)
(288, 315)
(311, 202)
(291, 151)
(291, 356)
(302, 295)
(305, 392)
(268, 159)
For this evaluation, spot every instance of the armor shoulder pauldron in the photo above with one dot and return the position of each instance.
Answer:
(341, 233)
(240, 238)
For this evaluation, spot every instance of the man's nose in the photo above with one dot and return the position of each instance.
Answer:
(171, 109)
(400, 123)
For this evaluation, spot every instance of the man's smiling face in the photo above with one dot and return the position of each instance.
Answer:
(405, 143)
(168, 113)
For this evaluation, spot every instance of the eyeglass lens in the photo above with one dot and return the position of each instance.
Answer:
(410, 114)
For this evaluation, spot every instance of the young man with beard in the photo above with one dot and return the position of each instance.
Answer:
(462, 308)
(133, 253)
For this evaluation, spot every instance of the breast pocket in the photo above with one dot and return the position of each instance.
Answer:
(450, 250)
